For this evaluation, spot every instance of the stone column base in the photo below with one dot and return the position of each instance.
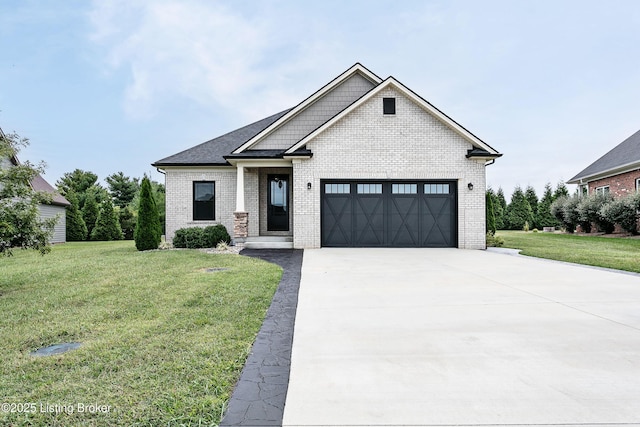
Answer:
(240, 226)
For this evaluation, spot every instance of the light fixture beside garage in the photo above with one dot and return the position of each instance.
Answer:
(470, 186)
(308, 186)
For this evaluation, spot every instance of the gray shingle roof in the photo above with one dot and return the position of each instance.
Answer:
(40, 184)
(625, 153)
(212, 152)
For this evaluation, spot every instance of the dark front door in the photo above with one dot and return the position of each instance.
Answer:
(278, 203)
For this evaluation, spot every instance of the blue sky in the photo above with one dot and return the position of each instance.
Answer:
(115, 85)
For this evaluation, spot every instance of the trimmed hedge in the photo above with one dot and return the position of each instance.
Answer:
(602, 210)
(197, 237)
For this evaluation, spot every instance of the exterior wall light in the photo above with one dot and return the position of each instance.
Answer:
(470, 186)
(308, 186)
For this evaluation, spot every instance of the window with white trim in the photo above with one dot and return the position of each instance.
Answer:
(602, 190)
(638, 185)
(337, 188)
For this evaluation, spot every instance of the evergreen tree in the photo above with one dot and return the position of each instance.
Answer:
(561, 190)
(545, 218)
(90, 213)
(148, 229)
(127, 222)
(501, 199)
(532, 198)
(76, 228)
(122, 188)
(519, 211)
(498, 211)
(491, 219)
(107, 225)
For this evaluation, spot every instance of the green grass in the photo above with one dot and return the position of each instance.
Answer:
(610, 252)
(163, 342)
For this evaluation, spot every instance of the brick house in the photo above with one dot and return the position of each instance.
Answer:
(362, 162)
(617, 172)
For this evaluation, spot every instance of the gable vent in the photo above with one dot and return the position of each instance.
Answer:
(388, 106)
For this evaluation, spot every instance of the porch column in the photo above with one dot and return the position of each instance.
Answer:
(241, 218)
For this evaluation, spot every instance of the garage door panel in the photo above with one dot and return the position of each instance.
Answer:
(337, 221)
(437, 221)
(369, 221)
(404, 221)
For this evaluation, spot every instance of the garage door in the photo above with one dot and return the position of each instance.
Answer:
(389, 213)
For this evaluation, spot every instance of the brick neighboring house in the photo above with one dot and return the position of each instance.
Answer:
(617, 172)
(362, 162)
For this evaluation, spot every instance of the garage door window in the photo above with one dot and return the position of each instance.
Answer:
(436, 189)
(404, 188)
(337, 188)
(369, 188)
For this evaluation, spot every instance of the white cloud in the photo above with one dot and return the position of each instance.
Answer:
(208, 53)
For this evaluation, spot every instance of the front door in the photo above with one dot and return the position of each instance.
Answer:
(278, 203)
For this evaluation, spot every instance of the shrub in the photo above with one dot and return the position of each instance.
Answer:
(190, 237)
(494, 241)
(622, 211)
(148, 231)
(215, 234)
(589, 212)
(196, 237)
(76, 228)
(490, 212)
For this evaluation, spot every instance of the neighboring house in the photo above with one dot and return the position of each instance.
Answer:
(363, 162)
(56, 207)
(617, 172)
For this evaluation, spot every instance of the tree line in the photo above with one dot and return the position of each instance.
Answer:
(98, 213)
(557, 208)
(525, 210)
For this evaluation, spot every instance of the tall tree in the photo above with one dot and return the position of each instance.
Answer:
(491, 218)
(561, 190)
(20, 223)
(90, 212)
(107, 225)
(122, 188)
(76, 228)
(519, 211)
(532, 198)
(79, 182)
(148, 230)
(545, 218)
(501, 199)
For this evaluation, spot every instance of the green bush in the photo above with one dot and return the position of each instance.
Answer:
(494, 241)
(623, 211)
(196, 237)
(190, 237)
(589, 208)
(215, 234)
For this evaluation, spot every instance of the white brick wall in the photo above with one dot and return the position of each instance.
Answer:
(179, 197)
(410, 144)
(316, 114)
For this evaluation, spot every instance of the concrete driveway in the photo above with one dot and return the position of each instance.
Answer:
(457, 337)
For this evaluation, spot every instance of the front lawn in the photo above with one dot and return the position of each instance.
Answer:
(610, 252)
(163, 340)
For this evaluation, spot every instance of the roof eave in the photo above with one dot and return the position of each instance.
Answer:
(582, 179)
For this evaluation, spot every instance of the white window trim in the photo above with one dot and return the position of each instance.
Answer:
(637, 185)
(601, 190)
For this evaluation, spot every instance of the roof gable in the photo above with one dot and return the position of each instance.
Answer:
(319, 116)
(624, 155)
(425, 105)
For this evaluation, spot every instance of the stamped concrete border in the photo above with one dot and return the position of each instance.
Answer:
(259, 396)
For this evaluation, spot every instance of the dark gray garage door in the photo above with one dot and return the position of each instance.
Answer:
(389, 213)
